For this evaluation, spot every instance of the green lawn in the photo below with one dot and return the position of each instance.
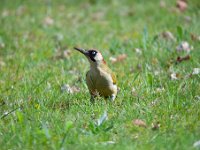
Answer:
(37, 62)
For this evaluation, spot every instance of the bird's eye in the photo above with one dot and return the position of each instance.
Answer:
(94, 53)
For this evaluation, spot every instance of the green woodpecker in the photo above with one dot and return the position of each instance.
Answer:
(100, 79)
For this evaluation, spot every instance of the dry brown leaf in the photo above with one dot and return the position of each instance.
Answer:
(155, 125)
(181, 5)
(119, 58)
(168, 35)
(154, 61)
(180, 59)
(139, 122)
(48, 21)
(195, 37)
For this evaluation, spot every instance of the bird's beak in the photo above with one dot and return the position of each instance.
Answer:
(82, 51)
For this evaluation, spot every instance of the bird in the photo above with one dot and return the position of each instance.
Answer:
(100, 79)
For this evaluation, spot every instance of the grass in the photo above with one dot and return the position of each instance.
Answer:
(36, 114)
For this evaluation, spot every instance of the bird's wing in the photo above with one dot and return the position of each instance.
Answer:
(112, 74)
(90, 83)
(114, 78)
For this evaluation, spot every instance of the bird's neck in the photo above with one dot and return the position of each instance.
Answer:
(98, 66)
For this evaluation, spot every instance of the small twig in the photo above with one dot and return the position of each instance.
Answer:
(180, 59)
(4, 115)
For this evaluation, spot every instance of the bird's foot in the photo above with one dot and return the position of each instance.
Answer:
(112, 98)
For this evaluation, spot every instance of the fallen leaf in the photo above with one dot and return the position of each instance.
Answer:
(196, 71)
(180, 59)
(48, 21)
(138, 51)
(181, 5)
(139, 122)
(162, 4)
(113, 59)
(119, 58)
(184, 46)
(133, 91)
(155, 125)
(168, 35)
(5, 13)
(195, 37)
(174, 76)
(70, 89)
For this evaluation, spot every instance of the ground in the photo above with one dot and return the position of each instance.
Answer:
(44, 100)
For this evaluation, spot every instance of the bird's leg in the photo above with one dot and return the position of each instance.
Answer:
(112, 98)
(92, 98)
